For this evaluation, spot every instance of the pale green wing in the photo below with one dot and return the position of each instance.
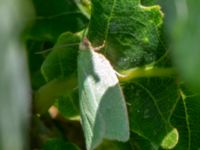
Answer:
(88, 100)
(103, 109)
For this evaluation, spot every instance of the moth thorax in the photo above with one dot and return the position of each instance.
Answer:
(85, 44)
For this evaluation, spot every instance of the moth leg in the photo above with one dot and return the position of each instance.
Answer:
(87, 43)
(99, 47)
(120, 75)
(129, 104)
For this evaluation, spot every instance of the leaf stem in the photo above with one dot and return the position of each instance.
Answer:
(140, 72)
(47, 94)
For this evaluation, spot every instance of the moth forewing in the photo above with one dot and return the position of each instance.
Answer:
(89, 101)
(102, 104)
(111, 100)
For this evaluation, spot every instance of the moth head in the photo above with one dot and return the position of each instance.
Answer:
(85, 44)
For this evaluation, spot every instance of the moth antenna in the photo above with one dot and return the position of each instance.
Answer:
(50, 49)
(44, 51)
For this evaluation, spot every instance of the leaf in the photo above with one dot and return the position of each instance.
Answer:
(170, 140)
(59, 144)
(62, 61)
(14, 82)
(55, 18)
(130, 41)
(186, 45)
(68, 105)
(148, 2)
(114, 145)
(46, 95)
(35, 61)
(102, 105)
(59, 68)
(140, 143)
(186, 119)
(84, 6)
(151, 104)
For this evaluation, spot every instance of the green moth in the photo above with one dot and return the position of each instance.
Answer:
(102, 104)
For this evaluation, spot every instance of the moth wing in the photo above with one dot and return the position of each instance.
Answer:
(94, 126)
(112, 106)
(92, 122)
(102, 105)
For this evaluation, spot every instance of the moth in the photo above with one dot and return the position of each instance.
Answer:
(102, 104)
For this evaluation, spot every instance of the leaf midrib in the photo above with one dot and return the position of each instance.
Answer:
(109, 19)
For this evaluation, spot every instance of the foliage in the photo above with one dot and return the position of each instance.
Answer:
(152, 44)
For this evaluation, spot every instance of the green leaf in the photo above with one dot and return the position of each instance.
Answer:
(59, 68)
(55, 18)
(102, 105)
(46, 95)
(68, 105)
(170, 140)
(130, 41)
(186, 119)
(186, 34)
(84, 6)
(14, 81)
(114, 145)
(140, 143)
(35, 60)
(62, 61)
(148, 2)
(59, 144)
(151, 103)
